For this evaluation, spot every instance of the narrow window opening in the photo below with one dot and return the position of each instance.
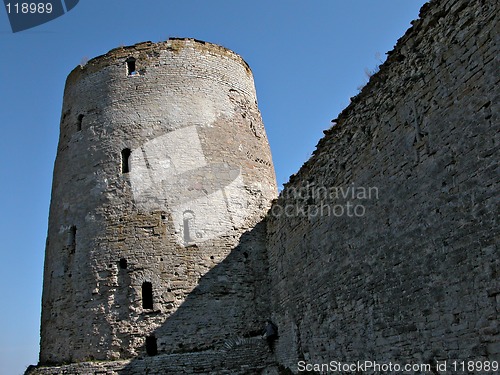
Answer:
(126, 160)
(131, 67)
(187, 236)
(151, 345)
(147, 295)
(72, 236)
(188, 226)
(123, 263)
(79, 122)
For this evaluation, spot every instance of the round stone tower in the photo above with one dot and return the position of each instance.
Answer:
(163, 172)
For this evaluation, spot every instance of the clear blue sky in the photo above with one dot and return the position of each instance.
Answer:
(308, 59)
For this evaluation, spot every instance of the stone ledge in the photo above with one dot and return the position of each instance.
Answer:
(251, 357)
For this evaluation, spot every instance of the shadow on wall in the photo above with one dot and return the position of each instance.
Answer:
(219, 324)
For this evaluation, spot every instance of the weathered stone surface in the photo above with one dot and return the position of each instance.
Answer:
(412, 279)
(383, 247)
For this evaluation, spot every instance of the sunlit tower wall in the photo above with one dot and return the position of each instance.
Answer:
(163, 168)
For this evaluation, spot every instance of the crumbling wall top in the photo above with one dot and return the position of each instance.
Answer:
(152, 50)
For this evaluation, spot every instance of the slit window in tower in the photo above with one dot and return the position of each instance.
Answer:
(79, 122)
(147, 295)
(131, 67)
(72, 236)
(151, 345)
(126, 160)
(123, 263)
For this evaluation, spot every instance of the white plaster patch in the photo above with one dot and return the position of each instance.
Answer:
(170, 173)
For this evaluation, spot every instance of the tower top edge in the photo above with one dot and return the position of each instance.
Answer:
(148, 48)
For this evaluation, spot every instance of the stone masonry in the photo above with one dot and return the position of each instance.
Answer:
(166, 249)
(384, 245)
(163, 172)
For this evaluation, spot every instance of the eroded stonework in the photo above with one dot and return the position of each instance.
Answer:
(163, 169)
(414, 279)
(160, 256)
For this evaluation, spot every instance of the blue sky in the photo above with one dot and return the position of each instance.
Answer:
(308, 59)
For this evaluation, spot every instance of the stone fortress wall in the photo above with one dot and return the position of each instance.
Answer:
(403, 268)
(414, 278)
